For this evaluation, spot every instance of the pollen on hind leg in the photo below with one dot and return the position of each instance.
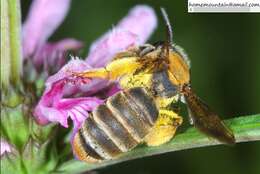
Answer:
(164, 128)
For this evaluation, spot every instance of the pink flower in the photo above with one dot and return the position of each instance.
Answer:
(5, 147)
(43, 19)
(63, 99)
(52, 107)
(141, 21)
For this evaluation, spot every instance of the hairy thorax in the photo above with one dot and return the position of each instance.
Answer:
(157, 85)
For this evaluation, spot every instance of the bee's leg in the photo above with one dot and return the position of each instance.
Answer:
(145, 49)
(136, 51)
(113, 70)
(164, 128)
(131, 52)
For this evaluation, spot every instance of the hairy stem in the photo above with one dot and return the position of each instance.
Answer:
(5, 46)
(11, 58)
(15, 40)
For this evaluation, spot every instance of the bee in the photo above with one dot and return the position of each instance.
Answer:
(153, 78)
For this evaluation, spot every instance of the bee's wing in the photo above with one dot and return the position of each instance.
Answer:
(206, 120)
(190, 116)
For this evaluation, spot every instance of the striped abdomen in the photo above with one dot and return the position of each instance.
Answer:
(116, 126)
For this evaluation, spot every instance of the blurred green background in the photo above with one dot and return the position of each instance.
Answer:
(225, 54)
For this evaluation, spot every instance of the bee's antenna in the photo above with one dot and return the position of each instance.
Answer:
(168, 26)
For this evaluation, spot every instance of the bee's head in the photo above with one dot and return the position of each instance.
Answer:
(178, 64)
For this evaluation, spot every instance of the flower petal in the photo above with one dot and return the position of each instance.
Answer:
(43, 19)
(52, 55)
(141, 20)
(53, 108)
(5, 147)
(113, 89)
(74, 65)
(58, 101)
(116, 40)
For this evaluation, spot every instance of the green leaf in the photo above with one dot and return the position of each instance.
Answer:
(12, 163)
(13, 120)
(245, 129)
(17, 118)
(39, 158)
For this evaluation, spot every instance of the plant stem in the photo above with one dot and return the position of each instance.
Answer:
(245, 129)
(5, 46)
(11, 58)
(15, 40)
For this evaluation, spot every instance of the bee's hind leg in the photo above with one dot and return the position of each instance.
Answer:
(164, 128)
